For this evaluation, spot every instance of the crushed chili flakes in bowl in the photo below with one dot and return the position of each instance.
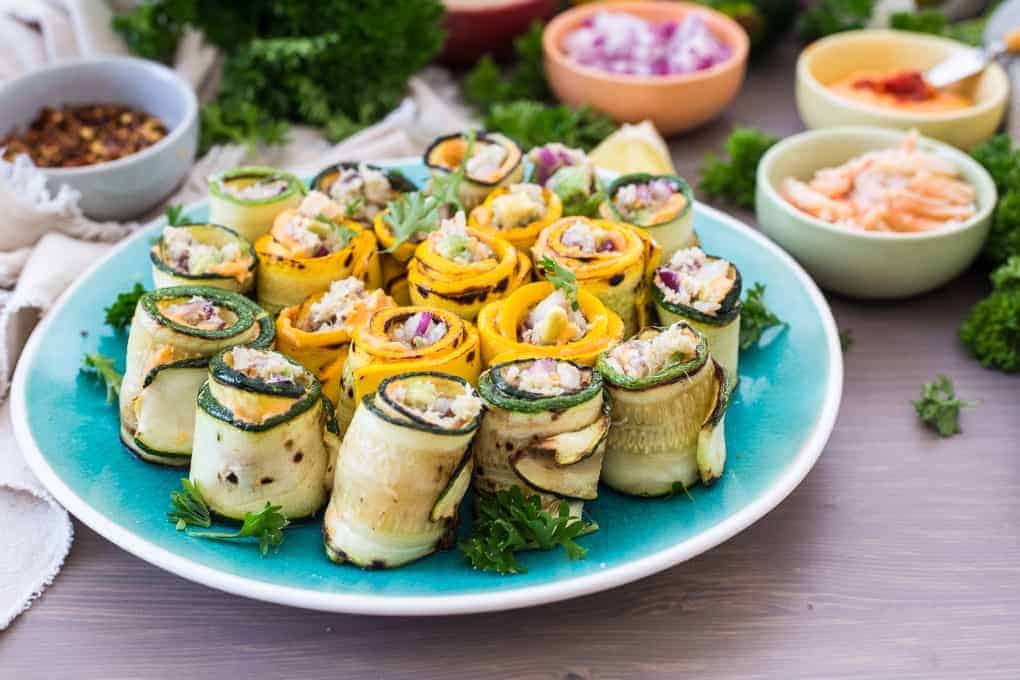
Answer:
(84, 134)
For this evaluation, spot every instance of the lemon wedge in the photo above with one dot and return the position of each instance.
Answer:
(634, 148)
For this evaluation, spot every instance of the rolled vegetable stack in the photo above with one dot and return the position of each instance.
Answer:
(659, 205)
(393, 260)
(263, 432)
(309, 248)
(403, 340)
(517, 213)
(669, 398)
(494, 161)
(462, 269)
(539, 320)
(403, 469)
(203, 254)
(317, 333)
(612, 261)
(704, 291)
(544, 430)
(248, 199)
(173, 333)
(362, 190)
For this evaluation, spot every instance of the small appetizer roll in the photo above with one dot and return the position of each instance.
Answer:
(538, 320)
(263, 432)
(393, 261)
(461, 269)
(362, 190)
(570, 175)
(309, 248)
(495, 161)
(403, 470)
(704, 291)
(317, 333)
(173, 333)
(612, 261)
(669, 397)
(517, 213)
(248, 199)
(544, 430)
(401, 340)
(203, 254)
(661, 205)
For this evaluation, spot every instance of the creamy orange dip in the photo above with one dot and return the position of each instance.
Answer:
(901, 90)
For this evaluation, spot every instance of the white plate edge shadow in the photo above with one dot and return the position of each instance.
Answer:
(435, 605)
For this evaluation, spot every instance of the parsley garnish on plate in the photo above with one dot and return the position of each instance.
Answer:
(190, 508)
(846, 339)
(561, 278)
(755, 318)
(102, 367)
(118, 315)
(939, 407)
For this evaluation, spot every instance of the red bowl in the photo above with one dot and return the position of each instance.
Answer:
(475, 28)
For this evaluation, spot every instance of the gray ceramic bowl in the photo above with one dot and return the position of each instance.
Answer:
(128, 187)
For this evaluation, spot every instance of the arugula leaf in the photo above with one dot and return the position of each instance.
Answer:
(561, 278)
(267, 526)
(531, 123)
(118, 315)
(734, 180)
(409, 214)
(846, 340)
(102, 367)
(939, 407)
(755, 318)
(352, 208)
(189, 507)
(507, 522)
(175, 215)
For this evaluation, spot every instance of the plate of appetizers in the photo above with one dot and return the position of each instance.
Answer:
(473, 381)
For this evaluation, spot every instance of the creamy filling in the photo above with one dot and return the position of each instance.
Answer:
(589, 239)
(519, 207)
(242, 188)
(453, 242)
(362, 192)
(649, 202)
(547, 159)
(186, 254)
(198, 312)
(272, 367)
(695, 279)
(344, 299)
(312, 237)
(553, 321)
(421, 329)
(574, 183)
(652, 353)
(421, 396)
(486, 160)
(548, 377)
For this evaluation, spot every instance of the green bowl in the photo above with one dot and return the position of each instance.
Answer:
(866, 264)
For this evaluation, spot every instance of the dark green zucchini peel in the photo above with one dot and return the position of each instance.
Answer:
(670, 374)
(494, 388)
(679, 183)
(728, 310)
(407, 417)
(397, 179)
(160, 263)
(294, 185)
(246, 311)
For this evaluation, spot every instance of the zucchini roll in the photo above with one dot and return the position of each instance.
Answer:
(496, 160)
(612, 261)
(248, 199)
(362, 190)
(704, 291)
(309, 248)
(544, 429)
(661, 205)
(173, 333)
(317, 333)
(517, 213)
(263, 432)
(203, 254)
(669, 397)
(403, 469)
(401, 340)
(537, 320)
(570, 175)
(461, 269)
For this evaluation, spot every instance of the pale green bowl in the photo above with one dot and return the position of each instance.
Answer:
(860, 263)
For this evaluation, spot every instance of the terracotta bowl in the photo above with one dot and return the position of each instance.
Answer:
(476, 28)
(673, 103)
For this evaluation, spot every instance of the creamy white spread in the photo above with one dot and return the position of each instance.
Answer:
(198, 312)
(588, 238)
(519, 207)
(259, 190)
(454, 243)
(186, 254)
(271, 367)
(553, 321)
(547, 376)
(649, 202)
(424, 398)
(651, 354)
(419, 330)
(695, 280)
(486, 160)
(362, 192)
(341, 301)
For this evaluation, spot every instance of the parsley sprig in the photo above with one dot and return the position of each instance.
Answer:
(175, 215)
(102, 367)
(755, 318)
(507, 522)
(939, 407)
(561, 278)
(190, 508)
(118, 315)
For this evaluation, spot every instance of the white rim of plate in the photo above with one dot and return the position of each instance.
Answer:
(437, 605)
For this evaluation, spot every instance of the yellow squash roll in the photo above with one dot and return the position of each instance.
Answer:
(517, 213)
(394, 263)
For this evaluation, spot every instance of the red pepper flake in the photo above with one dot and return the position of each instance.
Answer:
(905, 86)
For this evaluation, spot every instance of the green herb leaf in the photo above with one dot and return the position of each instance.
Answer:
(531, 123)
(175, 215)
(189, 507)
(755, 318)
(118, 315)
(846, 340)
(561, 278)
(734, 180)
(508, 522)
(485, 86)
(102, 367)
(991, 330)
(939, 407)
(409, 214)
(1002, 161)
(352, 208)
(445, 188)
(833, 16)
(266, 525)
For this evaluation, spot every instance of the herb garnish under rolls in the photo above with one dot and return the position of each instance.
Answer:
(403, 468)
(317, 333)
(660, 205)
(174, 331)
(517, 213)
(669, 398)
(203, 254)
(704, 291)
(362, 190)
(263, 432)
(544, 429)
(402, 340)
(462, 269)
(309, 248)
(248, 199)
(612, 261)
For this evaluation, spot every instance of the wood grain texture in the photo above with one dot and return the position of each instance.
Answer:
(898, 557)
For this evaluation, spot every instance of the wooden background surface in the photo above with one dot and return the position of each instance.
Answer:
(898, 557)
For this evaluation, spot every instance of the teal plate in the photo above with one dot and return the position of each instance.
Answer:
(781, 417)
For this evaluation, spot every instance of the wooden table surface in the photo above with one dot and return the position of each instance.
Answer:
(898, 557)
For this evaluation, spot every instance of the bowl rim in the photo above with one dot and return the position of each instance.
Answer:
(475, 8)
(805, 76)
(182, 88)
(788, 145)
(558, 25)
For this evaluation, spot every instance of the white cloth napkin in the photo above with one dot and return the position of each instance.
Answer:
(45, 242)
